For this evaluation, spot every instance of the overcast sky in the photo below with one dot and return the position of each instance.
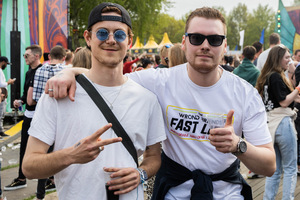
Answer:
(181, 7)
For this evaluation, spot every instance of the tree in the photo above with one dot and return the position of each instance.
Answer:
(168, 24)
(261, 18)
(296, 2)
(236, 22)
(253, 23)
(79, 13)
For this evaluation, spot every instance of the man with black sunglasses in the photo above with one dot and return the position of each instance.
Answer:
(32, 58)
(199, 162)
(88, 162)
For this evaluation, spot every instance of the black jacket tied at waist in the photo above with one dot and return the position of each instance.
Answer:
(172, 174)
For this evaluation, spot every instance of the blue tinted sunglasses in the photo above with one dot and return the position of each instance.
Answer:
(103, 34)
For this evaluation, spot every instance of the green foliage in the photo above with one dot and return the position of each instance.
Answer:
(166, 23)
(253, 23)
(297, 2)
(261, 18)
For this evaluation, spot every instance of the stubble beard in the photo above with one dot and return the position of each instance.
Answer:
(110, 62)
(202, 66)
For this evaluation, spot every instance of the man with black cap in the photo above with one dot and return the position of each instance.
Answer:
(3, 63)
(86, 159)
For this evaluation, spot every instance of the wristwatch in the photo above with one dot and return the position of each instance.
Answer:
(143, 175)
(241, 147)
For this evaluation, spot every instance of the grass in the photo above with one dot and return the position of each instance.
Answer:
(9, 167)
(33, 196)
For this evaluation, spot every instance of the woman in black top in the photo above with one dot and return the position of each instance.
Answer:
(279, 95)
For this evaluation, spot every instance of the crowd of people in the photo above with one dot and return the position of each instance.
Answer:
(161, 109)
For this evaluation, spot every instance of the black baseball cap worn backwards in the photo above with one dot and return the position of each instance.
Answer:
(95, 15)
(3, 58)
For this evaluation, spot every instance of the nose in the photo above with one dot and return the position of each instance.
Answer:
(111, 39)
(205, 45)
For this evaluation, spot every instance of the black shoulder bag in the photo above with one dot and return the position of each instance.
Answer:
(108, 114)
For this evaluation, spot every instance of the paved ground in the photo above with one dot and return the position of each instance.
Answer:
(10, 156)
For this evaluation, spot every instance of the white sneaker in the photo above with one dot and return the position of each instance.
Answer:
(252, 175)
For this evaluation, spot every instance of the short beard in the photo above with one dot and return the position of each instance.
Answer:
(112, 64)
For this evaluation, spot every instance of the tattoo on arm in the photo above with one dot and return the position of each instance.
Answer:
(77, 145)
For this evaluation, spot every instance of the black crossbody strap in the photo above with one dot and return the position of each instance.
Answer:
(108, 114)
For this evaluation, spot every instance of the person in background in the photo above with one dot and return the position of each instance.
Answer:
(176, 55)
(163, 54)
(127, 66)
(296, 78)
(296, 57)
(274, 39)
(56, 63)
(250, 73)
(156, 60)
(32, 58)
(46, 57)
(3, 64)
(236, 61)
(259, 49)
(69, 58)
(278, 96)
(147, 63)
(195, 154)
(82, 58)
(57, 57)
(228, 63)
(247, 69)
(293, 67)
(3, 96)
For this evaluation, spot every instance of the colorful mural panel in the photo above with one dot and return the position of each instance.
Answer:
(55, 24)
(33, 14)
(42, 22)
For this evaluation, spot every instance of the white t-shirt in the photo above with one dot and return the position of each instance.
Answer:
(3, 82)
(64, 123)
(262, 58)
(184, 106)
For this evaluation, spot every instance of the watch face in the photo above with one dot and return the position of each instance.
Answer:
(243, 147)
(143, 174)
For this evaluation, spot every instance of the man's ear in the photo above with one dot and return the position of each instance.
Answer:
(87, 37)
(225, 46)
(130, 42)
(183, 43)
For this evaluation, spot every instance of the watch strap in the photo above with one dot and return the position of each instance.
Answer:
(143, 175)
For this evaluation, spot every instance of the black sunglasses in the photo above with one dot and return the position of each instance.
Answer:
(197, 39)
